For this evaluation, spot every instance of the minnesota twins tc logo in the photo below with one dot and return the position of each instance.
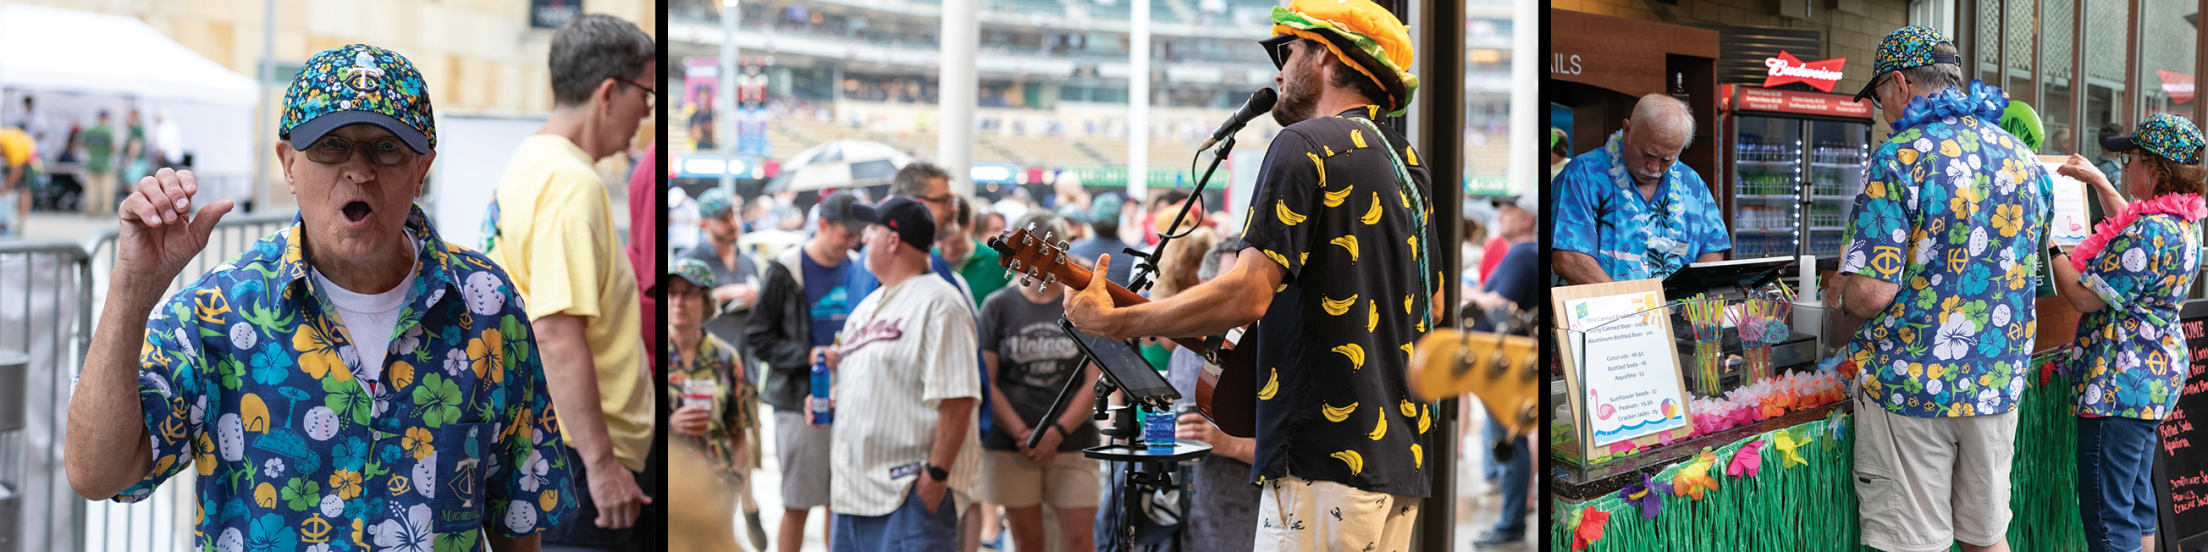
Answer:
(363, 74)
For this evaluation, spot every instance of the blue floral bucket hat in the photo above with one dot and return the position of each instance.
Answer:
(2169, 136)
(1904, 48)
(358, 84)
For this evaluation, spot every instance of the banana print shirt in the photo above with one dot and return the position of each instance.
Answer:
(1953, 210)
(1332, 348)
(248, 376)
(1600, 213)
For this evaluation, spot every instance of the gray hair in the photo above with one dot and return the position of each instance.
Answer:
(912, 180)
(593, 48)
(1937, 77)
(1044, 221)
(1658, 111)
(1227, 246)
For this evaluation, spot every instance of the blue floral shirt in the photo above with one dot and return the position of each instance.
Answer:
(2131, 355)
(1600, 213)
(1952, 210)
(248, 375)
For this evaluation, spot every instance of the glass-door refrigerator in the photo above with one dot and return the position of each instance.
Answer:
(1796, 167)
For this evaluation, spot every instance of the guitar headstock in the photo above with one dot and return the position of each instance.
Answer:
(1036, 258)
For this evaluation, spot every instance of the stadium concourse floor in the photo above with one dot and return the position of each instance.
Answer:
(1476, 509)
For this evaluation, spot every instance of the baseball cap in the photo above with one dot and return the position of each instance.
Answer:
(693, 270)
(837, 208)
(1105, 207)
(2169, 136)
(358, 84)
(1904, 48)
(713, 203)
(1365, 36)
(903, 215)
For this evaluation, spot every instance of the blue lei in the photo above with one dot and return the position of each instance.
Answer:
(1982, 100)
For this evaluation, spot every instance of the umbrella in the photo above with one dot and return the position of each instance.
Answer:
(839, 164)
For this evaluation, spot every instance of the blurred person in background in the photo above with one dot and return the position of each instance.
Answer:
(721, 423)
(2111, 169)
(99, 168)
(964, 252)
(1103, 237)
(1029, 359)
(550, 225)
(135, 163)
(168, 140)
(803, 306)
(376, 293)
(682, 220)
(644, 245)
(18, 150)
(1560, 151)
(990, 225)
(735, 277)
(1512, 283)
(1222, 509)
(701, 127)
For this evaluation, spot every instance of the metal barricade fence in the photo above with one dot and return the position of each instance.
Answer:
(50, 295)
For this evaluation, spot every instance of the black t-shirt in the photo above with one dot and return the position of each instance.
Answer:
(1337, 337)
(1034, 360)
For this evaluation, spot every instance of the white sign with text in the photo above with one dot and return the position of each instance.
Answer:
(1632, 370)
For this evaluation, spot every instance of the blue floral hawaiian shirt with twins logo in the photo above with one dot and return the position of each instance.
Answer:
(1953, 210)
(248, 374)
(1600, 213)
(2130, 357)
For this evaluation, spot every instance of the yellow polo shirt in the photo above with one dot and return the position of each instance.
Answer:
(555, 238)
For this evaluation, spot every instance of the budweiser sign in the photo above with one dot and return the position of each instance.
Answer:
(2178, 85)
(1788, 69)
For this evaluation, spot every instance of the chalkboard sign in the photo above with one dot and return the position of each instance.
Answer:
(2180, 471)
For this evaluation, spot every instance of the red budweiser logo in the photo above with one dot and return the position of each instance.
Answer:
(1788, 69)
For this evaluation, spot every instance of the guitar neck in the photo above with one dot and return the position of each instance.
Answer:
(1075, 277)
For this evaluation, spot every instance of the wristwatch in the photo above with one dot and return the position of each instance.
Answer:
(937, 472)
(2054, 251)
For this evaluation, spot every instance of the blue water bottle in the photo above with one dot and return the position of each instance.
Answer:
(1157, 430)
(823, 414)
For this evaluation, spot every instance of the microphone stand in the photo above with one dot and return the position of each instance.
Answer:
(1137, 469)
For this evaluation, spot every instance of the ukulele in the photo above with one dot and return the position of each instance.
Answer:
(1226, 391)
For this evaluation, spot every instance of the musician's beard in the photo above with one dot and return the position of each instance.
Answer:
(1299, 97)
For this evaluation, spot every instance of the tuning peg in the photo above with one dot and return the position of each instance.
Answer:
(1028, 239)
(1031, 227)
(1008, 274)
(1026, 282)
(1060, 259)
(1062, 245)
(1049, 279)
(1015, 264)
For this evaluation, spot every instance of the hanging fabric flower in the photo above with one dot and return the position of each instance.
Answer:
(1590, 528)
(1835, 425)
(1648, 495)
(1694, 480)
(1747, 460)
(1787, 455)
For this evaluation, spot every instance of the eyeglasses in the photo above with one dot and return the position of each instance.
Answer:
(381, 151)
(650, 96)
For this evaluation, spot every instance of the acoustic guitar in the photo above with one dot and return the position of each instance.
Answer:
(1226, 392)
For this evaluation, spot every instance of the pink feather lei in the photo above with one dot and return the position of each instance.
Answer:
(2187, 206)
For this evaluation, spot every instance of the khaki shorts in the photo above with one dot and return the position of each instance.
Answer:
(1922, 483)
(1069, 481)
(1297, 515)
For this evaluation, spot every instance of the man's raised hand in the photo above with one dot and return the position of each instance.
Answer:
(159, 234)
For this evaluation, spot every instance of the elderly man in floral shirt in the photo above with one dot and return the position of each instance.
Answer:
(351, 382)
(1939, 260)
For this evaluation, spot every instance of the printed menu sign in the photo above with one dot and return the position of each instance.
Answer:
(1631, 381)
(2181, 473)
(2070, 225)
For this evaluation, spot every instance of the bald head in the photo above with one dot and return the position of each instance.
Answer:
(1661, 128)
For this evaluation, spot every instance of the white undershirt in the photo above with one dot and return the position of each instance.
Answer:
(369, 318)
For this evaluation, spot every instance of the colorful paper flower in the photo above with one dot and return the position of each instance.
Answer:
(1648, 495)
(1746, 461)
(1591, 522)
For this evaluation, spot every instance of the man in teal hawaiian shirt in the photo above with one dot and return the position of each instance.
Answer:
(351, 382)
(1630, 210)
(1939, 259)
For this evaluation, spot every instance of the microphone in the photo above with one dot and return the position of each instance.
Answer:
(1260, 103)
